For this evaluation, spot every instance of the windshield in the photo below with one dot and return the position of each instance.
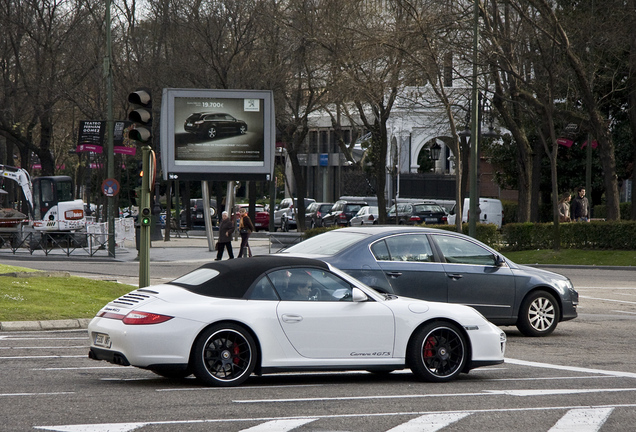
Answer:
(329, 243)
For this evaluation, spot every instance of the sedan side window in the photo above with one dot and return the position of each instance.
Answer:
(410, 248)
(310, 284)
(460, 251)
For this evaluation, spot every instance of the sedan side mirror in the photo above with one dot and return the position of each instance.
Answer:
(499, 261)
(358, 295)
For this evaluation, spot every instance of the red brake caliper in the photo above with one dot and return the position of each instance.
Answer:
(237, 351)
(429, 347)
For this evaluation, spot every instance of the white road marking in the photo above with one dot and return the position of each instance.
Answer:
(237, 388)
(279, 425)
(429, 422)
(34, 394)
(557, 391)
(608, 300)
(571, 368)
(625, 312)
(125, 427)
(41, 357)
(44, 347)
(582, 420)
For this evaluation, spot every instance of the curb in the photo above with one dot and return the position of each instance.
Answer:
(69, 324)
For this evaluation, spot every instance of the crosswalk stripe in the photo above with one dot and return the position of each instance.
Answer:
(582, 420)
(429, 422)
(279, 425)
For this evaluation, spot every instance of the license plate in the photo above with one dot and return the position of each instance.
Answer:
(102, 340)
(430, 219)
(258, 224)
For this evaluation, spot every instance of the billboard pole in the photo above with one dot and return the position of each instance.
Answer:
(144, 228)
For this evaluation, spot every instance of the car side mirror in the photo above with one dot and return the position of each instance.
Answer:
(499, 261)
(357, 295)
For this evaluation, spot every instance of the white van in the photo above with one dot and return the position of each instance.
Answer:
(491, 212)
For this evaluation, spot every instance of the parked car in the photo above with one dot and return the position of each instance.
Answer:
(367, 215)
(261, 219)
(342, 212)
(196, 213)
(315, 212)
(439, 265)
(210, 125)
(285, 216)
(490, 211)
(416, 213)
(227, 320)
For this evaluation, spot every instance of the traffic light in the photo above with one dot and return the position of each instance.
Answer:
(145, 216)
(141, 115)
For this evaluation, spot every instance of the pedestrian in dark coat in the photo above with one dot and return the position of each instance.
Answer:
(580, 208)
(226, 228)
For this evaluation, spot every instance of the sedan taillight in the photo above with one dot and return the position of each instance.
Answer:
(342, 216)
(415, 218)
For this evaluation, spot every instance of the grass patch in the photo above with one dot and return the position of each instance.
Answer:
(53, 298)
(574, 257)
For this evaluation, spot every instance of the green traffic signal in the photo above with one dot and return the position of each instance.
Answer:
(145, 216)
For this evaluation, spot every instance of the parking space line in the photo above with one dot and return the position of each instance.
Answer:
(279, 425)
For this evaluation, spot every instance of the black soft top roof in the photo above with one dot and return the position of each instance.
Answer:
(237, 275)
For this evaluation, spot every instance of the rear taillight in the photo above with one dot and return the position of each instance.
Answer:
(144, 318)
(415, 218)
(444, 219)
(342, 216)
(318, 214)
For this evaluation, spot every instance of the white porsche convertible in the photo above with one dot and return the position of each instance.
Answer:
(266, 314)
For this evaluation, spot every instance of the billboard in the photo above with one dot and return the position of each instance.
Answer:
(217, 134)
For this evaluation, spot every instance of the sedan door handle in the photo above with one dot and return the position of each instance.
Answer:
(291, 318)
(455, 276)
(394, 274)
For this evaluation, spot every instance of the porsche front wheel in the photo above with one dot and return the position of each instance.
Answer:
(438, 352)
(224, 355)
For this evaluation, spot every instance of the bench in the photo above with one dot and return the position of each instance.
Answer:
(177, 228)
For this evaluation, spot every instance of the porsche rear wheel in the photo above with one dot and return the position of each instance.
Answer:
(438, 352)
(224, 355)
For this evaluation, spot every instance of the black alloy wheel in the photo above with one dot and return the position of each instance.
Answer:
(224, 355)
(438, 352)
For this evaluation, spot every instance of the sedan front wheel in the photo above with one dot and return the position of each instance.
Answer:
(224, 355)
(438, 352)
(539, 314)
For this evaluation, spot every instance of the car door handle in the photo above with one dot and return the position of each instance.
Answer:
(291, 318)
(455, 276)
(394, 274)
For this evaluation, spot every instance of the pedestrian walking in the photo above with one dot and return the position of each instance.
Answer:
(246, 227)
(226, 228)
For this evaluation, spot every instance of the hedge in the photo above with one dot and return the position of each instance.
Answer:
(582, 235)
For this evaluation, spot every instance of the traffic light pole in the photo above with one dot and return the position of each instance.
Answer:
(144, 229)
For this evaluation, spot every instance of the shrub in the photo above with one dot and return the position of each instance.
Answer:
(577, 235)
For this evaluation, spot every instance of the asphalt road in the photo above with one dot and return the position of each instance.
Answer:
(581, 378)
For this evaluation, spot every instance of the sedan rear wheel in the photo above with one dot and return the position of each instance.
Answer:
(438, 352)
(539, 314)
(224, 355)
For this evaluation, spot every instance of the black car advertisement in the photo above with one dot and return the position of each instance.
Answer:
(222, 132)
